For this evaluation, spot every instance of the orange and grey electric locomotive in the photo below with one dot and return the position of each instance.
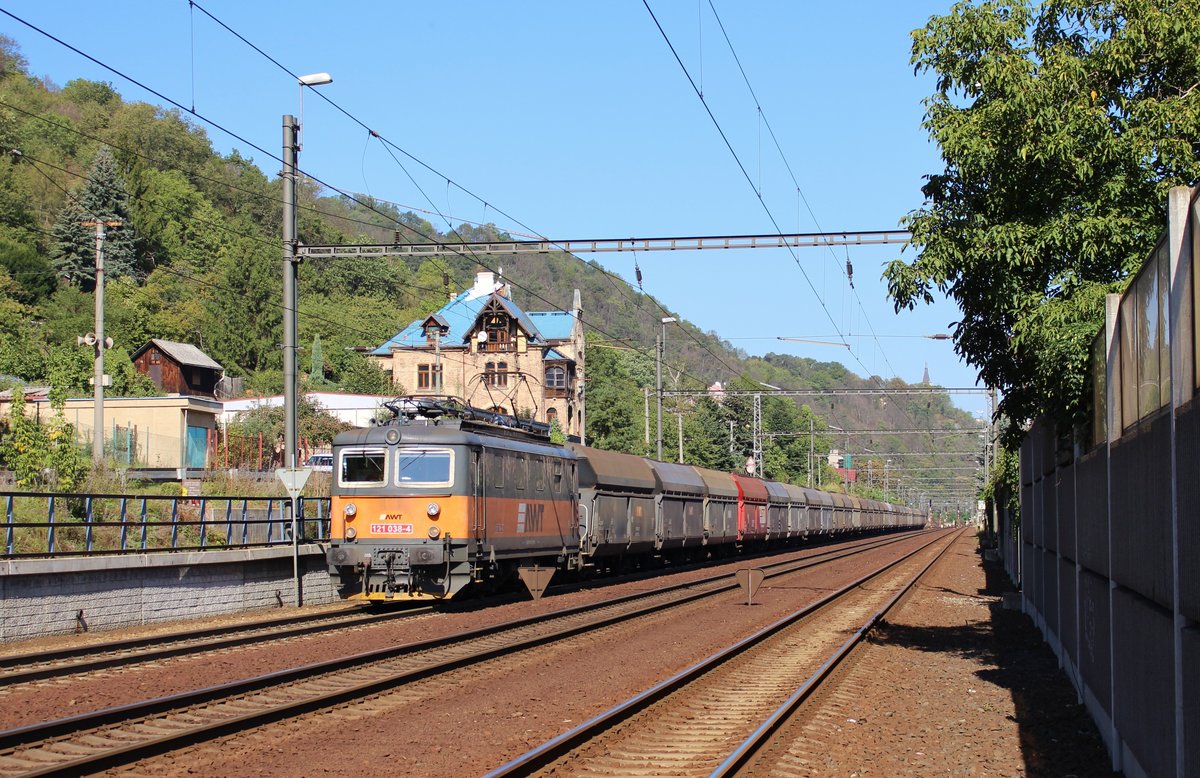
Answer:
(443, 496)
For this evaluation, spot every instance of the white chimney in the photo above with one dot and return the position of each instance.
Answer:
(485, 284)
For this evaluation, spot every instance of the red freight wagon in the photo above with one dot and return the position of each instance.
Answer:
(752, 508)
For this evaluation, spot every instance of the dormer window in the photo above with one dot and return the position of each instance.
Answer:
(496, 327)
(435, 329)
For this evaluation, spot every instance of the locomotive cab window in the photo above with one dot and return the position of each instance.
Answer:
(363, 467)
(424, 466)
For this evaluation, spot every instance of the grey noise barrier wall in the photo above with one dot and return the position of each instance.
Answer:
(1107, 549)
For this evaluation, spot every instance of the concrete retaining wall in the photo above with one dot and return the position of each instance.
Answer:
(41, 597)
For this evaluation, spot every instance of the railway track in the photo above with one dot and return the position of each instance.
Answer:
(696, 722)
(35, 666)
(96, 657)
(116, 736)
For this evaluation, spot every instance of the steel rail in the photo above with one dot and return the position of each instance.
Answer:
(133, 714)
(56, 664)
(563, 744)
(759, 738)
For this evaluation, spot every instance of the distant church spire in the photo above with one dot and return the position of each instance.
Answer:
(925, 377)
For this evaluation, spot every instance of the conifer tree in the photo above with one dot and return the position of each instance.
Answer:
(101, 198)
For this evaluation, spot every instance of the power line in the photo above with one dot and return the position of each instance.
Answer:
(388, 143)
(341, 191)
(750, 181)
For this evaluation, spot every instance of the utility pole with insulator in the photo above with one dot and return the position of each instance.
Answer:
(99, 342)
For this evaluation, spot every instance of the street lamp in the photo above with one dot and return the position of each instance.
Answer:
(311, 80)
(294, 480)
(662, 345)
(291, 151)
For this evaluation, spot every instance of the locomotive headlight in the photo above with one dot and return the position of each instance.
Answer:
(350, 533)
(350, 510)
(433, 510)
(434, 532)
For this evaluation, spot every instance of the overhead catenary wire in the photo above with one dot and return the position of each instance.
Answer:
(808, 206)
(449, 181)
(345, 194)
(249, 143)
(449, 355)
(750, 181)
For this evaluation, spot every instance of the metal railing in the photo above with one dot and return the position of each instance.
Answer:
(43, 524)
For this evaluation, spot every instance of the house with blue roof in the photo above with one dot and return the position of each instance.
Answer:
(484, 349)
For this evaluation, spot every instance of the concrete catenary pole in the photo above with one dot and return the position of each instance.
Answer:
(289, 291)
(658, 390)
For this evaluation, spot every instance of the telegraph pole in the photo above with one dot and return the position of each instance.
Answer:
(100, 343)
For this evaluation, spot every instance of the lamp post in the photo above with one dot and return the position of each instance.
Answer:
(662, 345)
(293, 480)
(291, 151)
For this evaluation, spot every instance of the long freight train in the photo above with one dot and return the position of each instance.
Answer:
(445, 496)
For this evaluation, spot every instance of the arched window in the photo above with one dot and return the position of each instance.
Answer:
(551, 415)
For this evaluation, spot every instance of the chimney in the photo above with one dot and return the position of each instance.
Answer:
(485, 284)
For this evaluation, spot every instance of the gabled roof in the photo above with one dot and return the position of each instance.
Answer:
(554, 325)
(435, 320)
(515, 311)
(460, 315)
(183, 353)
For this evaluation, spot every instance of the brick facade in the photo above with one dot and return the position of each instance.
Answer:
(494, 355)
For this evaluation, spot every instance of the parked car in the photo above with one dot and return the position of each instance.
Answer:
(321, 463)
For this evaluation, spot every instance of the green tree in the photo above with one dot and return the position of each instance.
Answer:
(359, 375)
(614, 403)
(316, 362)
(33, 273)
(706, 436)
(102, 197)
(314, 424)
(42, 456)
(1061, 126)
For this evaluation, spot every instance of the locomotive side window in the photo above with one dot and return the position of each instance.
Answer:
(519, 472)
(424, 466)
(363, 467)
(538, 467)
(495, 466)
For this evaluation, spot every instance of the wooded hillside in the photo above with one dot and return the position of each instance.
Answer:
(197, 259)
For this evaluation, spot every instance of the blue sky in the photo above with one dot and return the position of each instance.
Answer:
(575, 118)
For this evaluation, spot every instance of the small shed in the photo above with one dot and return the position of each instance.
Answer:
(179, 368)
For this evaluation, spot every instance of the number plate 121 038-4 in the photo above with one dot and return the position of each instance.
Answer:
(391, 529)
